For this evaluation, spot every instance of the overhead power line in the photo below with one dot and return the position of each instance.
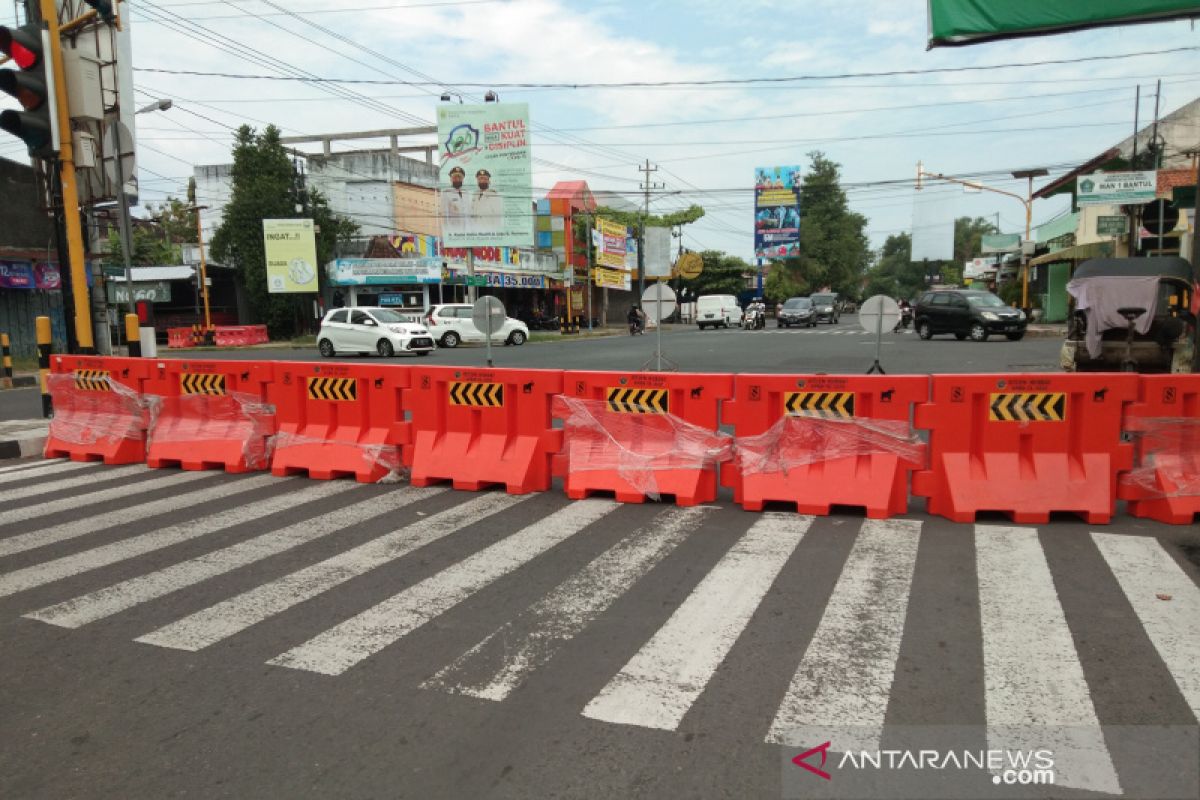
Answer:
(697, 83)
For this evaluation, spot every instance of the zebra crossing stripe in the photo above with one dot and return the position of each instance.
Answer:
(211, 625)
(663, 679)
(1035, 691)
(341, 647)
(1166, 602)
(75, 485)
(492, 669)
(845, 676)
(120, 596)
(38, 469)
(104, 602)
(128, 514)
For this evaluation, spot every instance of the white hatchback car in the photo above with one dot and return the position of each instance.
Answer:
(450, 324)
(368, 329)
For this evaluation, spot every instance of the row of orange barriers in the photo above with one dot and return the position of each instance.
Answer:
(1024, 445)
(222, 336)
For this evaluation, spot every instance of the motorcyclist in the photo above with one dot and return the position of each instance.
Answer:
(906, 315)
(756, 314)
(637, 322)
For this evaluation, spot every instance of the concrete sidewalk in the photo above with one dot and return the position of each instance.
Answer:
(23, 438)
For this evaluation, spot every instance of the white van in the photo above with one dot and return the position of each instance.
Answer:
(718, 310)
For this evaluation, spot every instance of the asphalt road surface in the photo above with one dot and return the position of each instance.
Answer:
(176, 634)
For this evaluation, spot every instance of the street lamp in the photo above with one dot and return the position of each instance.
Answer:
(447, 95)
(491, 97)
(126, 234)
(1030, 174)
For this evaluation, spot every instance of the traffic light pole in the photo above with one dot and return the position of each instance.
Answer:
(70, 191)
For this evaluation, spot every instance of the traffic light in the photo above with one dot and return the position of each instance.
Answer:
(104, 8)
(32, 84)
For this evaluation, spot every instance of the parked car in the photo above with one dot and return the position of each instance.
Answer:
(967, 312)
(368, 329)
(1111, 293)
(828, 306)
(451, 325)
(797, 311)
(718, 311)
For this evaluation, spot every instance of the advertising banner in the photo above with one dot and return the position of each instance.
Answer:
(958, 22)
(384, 271)
(612, 278)
(291, 248)
(610, 249)
(657, 259)
(776, 212)
(1117, 188)
(30, 275)
(484, 181)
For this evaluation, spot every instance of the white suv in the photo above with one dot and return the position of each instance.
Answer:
(451, 325)
(367, 329)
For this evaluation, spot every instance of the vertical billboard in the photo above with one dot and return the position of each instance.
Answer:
(484, 181)
(291, 250)
(776, 212)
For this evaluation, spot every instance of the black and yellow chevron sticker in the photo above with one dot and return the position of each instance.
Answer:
(93, 380)
(1028, 407)
(624, 400)
(201, 383)
(830, 405)
(339, 389)
(472, 393)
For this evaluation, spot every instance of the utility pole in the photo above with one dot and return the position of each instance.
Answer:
(1133, 221)
(646, 187)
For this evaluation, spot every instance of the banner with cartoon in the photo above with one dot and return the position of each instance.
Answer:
(485, 178)
(776, 212)
(291, 250)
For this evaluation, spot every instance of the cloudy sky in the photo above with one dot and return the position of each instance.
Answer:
(705, 140)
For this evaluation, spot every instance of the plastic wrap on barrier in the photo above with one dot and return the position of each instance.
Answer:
(636, 447)
(796, 441)
(1169, 462)
(374, 456)
(237, 417)
(84, 416)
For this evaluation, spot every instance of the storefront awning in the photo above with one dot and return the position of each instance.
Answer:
(1079, 252)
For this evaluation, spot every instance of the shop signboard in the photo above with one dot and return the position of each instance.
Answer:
(509, 280)
(291, 251)
(153, 291)
(613, 278)
(776, 212)
(1116, 188)
(31, 275)
(610, 250)
(1112, 226)
(485, 177)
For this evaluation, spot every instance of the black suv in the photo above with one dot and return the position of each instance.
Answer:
(967, 312)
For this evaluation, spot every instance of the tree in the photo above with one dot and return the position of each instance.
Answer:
(148, 248)
(786, 279)
(723, 274)
(895, 274)
(834, 250)
(266, 186)
(176, 219)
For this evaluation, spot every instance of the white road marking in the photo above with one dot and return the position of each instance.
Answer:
(1145, 570)
(36, 469)
(496, 666)
(74, 486)
(1036, 693)
(663, 679)
(845, 677)
(134, 511)
(77, 563)
(227, 618)
(341, 647)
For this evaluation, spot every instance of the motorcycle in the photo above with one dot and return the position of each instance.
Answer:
(756, 319)
(906, 318)
(637, 327)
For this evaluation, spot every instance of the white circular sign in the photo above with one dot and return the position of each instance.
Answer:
(873, 308)
(488, 314)
(658, 301)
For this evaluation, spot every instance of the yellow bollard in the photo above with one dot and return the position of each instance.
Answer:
(6, 381)
(45, 344)
(133, 336)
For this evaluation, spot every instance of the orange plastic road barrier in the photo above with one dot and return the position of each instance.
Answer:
(1164, 483)
(1025, 445)
(179, 337)
(99, 413)
(482, 427)
(642, 434)
(336, 420)
(239, 335)
(824, 441)
(210, 415)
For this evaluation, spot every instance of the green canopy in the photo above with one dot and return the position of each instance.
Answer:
(958, 22)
